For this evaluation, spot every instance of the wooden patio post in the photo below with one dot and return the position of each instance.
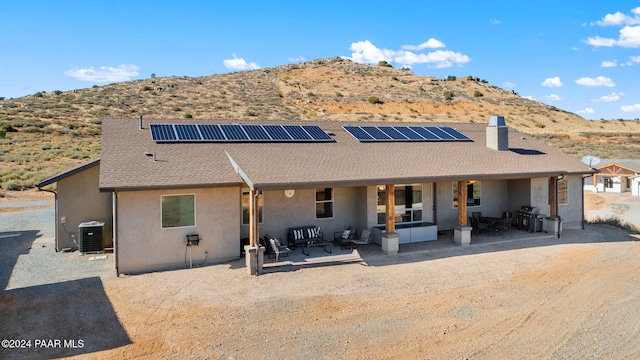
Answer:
(391, 211)
(462, 203)
(252, 218)
(553, 195)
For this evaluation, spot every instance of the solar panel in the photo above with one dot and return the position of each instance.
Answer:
(405, 133)
(277, 132)
(410, 134)
(358, 133)
(455, 133)
(187, 132)
(392, 132)
(425, 133)
(316, 132)
(233, 132)
(211, 132)
(237, 133)
(296, 132)
(375, 132)
(256, 132)
(162, 132)
(440, 133)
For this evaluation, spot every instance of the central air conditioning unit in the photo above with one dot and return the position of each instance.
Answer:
(91, 237)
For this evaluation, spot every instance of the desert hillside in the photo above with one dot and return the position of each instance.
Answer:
(44, 133)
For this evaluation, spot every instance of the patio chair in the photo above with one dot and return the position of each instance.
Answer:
(505, 223)
(364, 239)
(479, 226)
(477, 215)
(278, 249)
(344, 238)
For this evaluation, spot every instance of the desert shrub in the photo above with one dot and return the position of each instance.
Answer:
(615, 222)
(450, 78)
(448, 95)
(338, 94)
(477, 93)
(384, 63)
(540, 125)
(374, 100)
(394, 78)
(187, 116)
(11, 185)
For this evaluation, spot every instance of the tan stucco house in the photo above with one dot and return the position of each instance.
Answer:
(152, 191)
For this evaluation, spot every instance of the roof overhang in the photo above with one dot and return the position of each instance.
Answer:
(67, 173)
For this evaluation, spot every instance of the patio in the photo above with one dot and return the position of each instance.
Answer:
(318, 257)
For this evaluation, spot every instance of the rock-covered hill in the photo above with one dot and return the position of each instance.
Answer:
(44, 133)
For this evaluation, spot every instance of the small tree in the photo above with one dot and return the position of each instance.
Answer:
(153, 75)
(451, 78)
(384, 63)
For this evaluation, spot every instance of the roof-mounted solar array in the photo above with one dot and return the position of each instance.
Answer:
(405, 133)
(237, 133)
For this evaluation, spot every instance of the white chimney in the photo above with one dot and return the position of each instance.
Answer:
(497, 134)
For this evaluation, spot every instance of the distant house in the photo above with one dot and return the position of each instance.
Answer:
(159, 181)
(615, 175)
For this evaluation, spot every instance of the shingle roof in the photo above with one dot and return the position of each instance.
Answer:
(304, 165)
(633, 164)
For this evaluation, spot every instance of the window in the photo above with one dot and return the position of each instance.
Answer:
(178, 211)
(324, 203)
(474, 192)
(408, 203)
(608, 183)
(245, 206)
(563, 193)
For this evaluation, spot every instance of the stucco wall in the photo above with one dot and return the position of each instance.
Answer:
(571, 213)
(79, 200)
(281, 212)
(519, 195)
(142, 244)
(493, 201)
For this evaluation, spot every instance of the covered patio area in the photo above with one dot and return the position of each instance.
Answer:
(445, 242)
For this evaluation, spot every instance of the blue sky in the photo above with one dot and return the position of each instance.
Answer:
(580, 56)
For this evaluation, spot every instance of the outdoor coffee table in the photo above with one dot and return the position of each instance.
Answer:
(324, 244)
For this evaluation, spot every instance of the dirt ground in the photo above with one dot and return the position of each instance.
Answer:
(546, 299)
(573, 297)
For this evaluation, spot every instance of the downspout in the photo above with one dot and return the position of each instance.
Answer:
(114, 230)
(55, 197)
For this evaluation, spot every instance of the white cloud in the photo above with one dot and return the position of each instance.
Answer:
(494, 22)
(528, 97)
(631, 108)
(552, 82)
(629, 37)
(104, 73)
(239, 64)
(609, 98)
(598, 81)
(599, 41)
(509, 85)
(297, 59)
(429, 44)
(366, 53)
(618, 19)
(608, 64)
(635, 59)
(553, 97)
(585, 111)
